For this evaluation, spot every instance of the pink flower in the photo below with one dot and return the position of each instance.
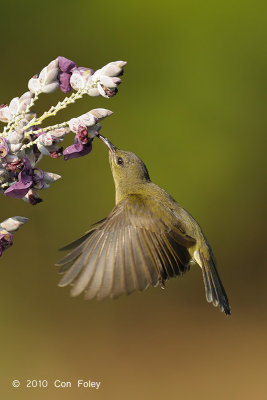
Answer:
(66, 66)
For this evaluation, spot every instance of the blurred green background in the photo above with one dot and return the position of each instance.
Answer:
(192, 107)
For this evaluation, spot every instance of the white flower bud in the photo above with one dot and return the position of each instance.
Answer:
(80, 78)
(113, 68)
(50, 177)
(14, 106)
(101, 113)
(52, 76)
(93, 92)
(53, 64)
(74, 124)
(88, 119)
(5, 114)
(12, 224)
(14, 137)
(46, 82)
(46, 139)
(77, 81)
(24, 101)
(15, 147)
(59, 133)
(25, 97)
(42, 76)
(44, 143)
(119, 64)
(50, 88)
(102, 91)
(34, 85)
(107, 81)
(96, 75)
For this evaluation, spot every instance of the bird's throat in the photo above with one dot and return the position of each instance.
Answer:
(122, 190)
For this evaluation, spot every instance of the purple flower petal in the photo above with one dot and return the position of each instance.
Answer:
(38, 174)
(25, 177)
(2, 141)
(26, 163)
(18, 189)
(65, 64)
(64, 82)
(77, 150)
(25, 180)
(38, 178)
(28, 177)
(3, 151)
(3, 147)
(26, 173)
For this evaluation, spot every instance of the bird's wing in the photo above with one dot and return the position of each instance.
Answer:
(136, 246)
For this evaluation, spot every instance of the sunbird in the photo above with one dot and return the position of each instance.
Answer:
(145, 240)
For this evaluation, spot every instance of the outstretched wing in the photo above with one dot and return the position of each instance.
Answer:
(136, 246)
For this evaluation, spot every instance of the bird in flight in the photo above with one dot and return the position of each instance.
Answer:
(145, 240)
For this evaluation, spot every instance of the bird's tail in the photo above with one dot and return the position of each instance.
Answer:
(215, 292)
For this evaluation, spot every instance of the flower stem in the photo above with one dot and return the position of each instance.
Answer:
(54, 109)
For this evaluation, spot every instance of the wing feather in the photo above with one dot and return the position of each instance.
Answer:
(108, 276)
(136, 246)
(80, 262)
(102, 264)
(90, 263)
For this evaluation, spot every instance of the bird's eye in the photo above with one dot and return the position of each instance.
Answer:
(119, 161)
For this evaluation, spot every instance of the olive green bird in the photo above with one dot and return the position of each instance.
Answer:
(145, 240)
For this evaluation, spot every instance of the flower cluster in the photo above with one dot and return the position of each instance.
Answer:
(7, 228)
(23, 141)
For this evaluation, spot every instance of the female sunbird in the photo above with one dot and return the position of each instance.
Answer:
(145, 240)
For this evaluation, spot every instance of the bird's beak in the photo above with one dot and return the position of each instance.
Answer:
(110, 146)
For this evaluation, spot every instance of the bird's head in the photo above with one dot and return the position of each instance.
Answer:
(128, 170)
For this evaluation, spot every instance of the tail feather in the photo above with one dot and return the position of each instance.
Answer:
(215, 292)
